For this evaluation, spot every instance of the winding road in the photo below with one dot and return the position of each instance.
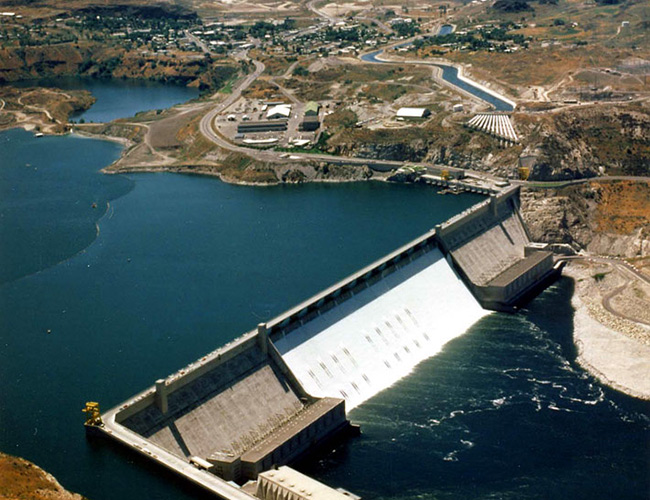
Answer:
(629, 273)
(208, 130)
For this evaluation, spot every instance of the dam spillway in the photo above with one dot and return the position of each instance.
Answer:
(378, 335)
(270, 396)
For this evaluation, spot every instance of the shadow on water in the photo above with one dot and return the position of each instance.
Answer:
(560, 323)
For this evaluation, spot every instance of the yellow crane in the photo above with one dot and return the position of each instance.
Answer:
(524, 172)
(93, 415)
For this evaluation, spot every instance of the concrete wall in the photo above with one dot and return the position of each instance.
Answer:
(488, 244)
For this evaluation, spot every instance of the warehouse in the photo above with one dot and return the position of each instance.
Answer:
(413, 113)
(248, 127)
(279, 111)
(312, 108)
(310, 123)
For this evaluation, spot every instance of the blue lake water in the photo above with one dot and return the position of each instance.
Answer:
(183, 264)
(119, 98)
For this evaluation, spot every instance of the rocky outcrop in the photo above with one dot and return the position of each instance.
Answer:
(417, 150)
(603, 218)
(321, 171)
(578, 142)
(20, 479)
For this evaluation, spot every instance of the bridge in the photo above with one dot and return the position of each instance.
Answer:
(272, 395)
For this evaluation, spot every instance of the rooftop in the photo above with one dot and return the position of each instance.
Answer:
(296, 486)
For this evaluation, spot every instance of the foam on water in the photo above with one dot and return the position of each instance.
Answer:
(378, 336)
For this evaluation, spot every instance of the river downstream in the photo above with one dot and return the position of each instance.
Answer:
(119, 280)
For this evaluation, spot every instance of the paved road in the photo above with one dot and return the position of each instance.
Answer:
(627, 270)
(621, 264)
(199, 43)
(312, 6)
(560, 184)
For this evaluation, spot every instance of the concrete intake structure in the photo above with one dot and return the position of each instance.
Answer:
(270, 396)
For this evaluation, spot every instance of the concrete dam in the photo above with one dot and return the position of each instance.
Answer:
(228, 421)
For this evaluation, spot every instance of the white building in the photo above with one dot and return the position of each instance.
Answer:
(288, 484)
(413, 113)
(279, 111)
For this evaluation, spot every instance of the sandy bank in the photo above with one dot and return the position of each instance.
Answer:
(609, 348)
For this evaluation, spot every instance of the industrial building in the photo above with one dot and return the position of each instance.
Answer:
(278, 112)
(237, 414)
(413, 113)
(264, 126)
(312, 108)
(285, 483)
(310, 123)
(491, 248)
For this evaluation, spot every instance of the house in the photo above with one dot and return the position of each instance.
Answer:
(413, 113)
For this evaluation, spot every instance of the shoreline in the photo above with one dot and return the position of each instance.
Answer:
(615, 359)
(229, 180)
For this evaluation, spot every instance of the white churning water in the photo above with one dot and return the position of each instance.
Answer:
(378, 336)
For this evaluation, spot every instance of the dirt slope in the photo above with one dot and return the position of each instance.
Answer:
(22, 480)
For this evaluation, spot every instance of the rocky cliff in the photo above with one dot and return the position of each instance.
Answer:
(101, 61)
(570, 143)
(580, 142)
(606, 218)
(439, 141)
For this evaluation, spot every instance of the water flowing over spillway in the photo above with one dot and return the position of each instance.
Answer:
(378, 336)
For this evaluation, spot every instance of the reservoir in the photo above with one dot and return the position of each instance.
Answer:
(118, 98)
(445, 29)
(178, 265)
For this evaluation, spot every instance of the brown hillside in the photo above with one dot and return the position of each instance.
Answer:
(22, 480)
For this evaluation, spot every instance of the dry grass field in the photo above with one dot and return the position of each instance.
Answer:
(622, 207)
